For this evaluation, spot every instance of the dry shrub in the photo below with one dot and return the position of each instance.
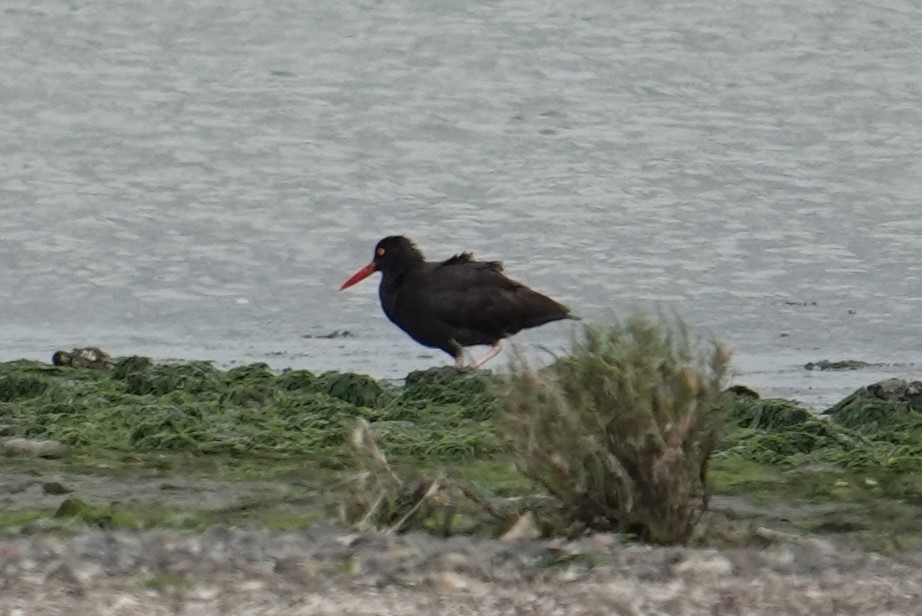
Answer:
(380, 499)
(621, 429)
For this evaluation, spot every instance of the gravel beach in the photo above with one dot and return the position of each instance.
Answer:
(325, 571)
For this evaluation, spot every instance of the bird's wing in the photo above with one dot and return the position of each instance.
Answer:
(467, 258)
(477, 296)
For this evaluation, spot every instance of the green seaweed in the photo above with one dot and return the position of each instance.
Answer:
(871, 415)
(251, 423)
(778, 431)
(441, 413)
(475, 391)
(196, 408)
(195, 377)
(356, 389)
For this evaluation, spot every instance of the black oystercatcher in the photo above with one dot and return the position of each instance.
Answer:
(457, 303)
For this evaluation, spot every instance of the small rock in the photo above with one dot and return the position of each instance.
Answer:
(899, 390)
(845, 364)
(449, 581)
(820, 546)
(607, 541)
(349, 540)
(64, 575)
(336, 333)
(39, 526)
(524, 528)
(53, 487)
(34, 448)
(456, 561)
(87, 357)
(19, 487)
(208, 593)
(708, 564)
(743, 392)
(572, 574)
(766, 536)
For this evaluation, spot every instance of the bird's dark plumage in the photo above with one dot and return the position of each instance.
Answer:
(455, 303)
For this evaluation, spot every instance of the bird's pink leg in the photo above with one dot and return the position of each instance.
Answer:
(463, 356)
(493, 352)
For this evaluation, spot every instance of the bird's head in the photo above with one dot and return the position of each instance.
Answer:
(394, 253)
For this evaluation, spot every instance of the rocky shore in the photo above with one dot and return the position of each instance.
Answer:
(325, 571)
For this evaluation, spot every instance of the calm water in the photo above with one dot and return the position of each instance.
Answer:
(196, 179)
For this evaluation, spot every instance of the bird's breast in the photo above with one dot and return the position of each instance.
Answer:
(389, 294)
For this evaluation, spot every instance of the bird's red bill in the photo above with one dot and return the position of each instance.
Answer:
(360, 275)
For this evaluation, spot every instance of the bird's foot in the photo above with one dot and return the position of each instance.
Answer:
(464, 359)
(493, 352)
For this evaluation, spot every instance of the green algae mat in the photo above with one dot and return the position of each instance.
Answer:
(855, 468)
(196, 408)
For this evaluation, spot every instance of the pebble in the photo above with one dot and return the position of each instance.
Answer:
(524, 528)
(449, 581)
(32, 448)
(54, 487)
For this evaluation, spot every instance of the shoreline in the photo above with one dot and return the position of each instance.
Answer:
(130, 519)
(775, 373)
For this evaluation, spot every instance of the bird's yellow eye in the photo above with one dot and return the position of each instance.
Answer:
(379, 252)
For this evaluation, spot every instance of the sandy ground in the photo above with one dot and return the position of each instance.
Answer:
(325, 571)
(38, 487)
